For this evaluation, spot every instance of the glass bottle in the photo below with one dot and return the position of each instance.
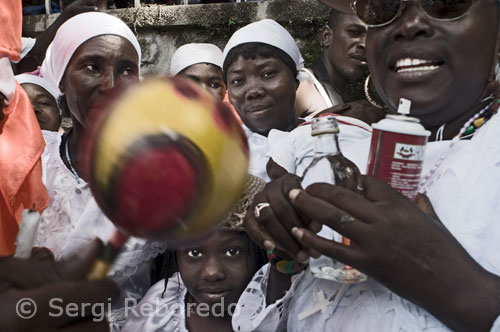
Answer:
(329, 165)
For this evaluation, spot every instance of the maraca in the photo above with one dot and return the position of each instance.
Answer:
(165, 160)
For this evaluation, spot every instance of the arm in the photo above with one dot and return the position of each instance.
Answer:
(35, 56)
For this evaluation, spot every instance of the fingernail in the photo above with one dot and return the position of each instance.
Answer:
(302, 257)
(294, 193)
(268, 245)
(298, 233)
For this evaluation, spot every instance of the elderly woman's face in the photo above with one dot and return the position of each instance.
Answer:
(44, 105)
(97, 66)
(263, 92)
(442, 67)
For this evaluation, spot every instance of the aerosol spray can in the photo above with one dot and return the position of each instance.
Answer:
(397, 150)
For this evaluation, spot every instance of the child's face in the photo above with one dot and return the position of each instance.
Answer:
(218, 267)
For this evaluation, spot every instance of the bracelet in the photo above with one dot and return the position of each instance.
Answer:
(285, 266)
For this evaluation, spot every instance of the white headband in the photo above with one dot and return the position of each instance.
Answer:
(76, 31)
(40, 81)
(191, 54)
(267, 32)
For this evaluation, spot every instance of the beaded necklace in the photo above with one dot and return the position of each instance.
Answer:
(73, 170)
(467, 131)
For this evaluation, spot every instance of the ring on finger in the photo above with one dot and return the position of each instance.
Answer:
(346, 220)
(259, 208)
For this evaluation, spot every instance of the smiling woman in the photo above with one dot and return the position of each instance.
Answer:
(432, 264)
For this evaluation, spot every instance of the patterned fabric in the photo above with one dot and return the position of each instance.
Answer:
(158, 312)
(73, 218)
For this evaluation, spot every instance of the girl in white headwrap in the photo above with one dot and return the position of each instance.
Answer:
(201, 63)
(90, 54)
(43, 97)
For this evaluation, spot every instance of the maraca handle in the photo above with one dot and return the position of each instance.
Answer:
(103, 263)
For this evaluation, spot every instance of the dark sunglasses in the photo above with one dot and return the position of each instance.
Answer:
(376, 13)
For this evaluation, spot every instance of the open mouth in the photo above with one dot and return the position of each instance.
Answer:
(407, 65)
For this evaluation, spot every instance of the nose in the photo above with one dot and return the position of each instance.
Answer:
(360, 45)
(412, 23)
(213, 270)
(108, 80)
(255, 90)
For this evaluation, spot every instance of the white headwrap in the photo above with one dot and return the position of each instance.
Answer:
(40, 81)
(191, 54)
(267, 32)
(76, 31)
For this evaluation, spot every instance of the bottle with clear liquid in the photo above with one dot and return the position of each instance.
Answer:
(330, 166)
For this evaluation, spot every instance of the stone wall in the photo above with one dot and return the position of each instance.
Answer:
(162, 29)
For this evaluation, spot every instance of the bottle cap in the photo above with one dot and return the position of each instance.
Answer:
(324, 125)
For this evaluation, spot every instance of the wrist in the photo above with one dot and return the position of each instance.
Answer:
(283, 264)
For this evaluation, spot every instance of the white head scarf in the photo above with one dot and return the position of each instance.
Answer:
(76, 31)
(191, 54)
(40, 81)
(267, 32)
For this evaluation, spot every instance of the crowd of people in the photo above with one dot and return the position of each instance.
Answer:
(432, 263)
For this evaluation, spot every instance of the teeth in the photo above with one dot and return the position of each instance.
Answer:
(411, 69)
(407, 62)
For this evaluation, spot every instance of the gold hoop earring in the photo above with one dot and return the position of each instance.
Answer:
(369, 97)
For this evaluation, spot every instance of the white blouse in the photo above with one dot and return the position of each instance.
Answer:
(465, 195)
(157, 313)
(73, 218)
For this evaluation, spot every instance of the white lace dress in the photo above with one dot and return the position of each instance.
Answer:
(73, 218)
(160, 314)
(465, 194)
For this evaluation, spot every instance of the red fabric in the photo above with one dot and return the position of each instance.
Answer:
(11, 18)
(21, 187)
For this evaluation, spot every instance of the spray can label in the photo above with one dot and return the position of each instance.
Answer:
(397, 153)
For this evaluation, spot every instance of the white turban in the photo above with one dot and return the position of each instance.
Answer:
(191, 54)
(267, 32)
(76, 31)
(40, 81)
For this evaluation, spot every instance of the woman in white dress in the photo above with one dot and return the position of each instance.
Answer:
(90, 54)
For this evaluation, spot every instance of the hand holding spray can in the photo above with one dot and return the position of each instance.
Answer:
(397, 150)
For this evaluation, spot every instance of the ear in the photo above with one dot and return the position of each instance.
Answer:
(61, 85)
(326, 36)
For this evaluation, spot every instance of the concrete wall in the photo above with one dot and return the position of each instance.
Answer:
(162, 29)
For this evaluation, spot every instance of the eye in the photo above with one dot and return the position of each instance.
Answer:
(231, 252)
(194, 253)
(236, 81)
(128, 71)
(92, 67)
(214, 85)
(355, 33)
(269, 73)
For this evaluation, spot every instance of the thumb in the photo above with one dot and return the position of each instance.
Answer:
(274, 170)
(425, 205)
(78, 265)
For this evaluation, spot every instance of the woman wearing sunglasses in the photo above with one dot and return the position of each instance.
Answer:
(433, 265)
